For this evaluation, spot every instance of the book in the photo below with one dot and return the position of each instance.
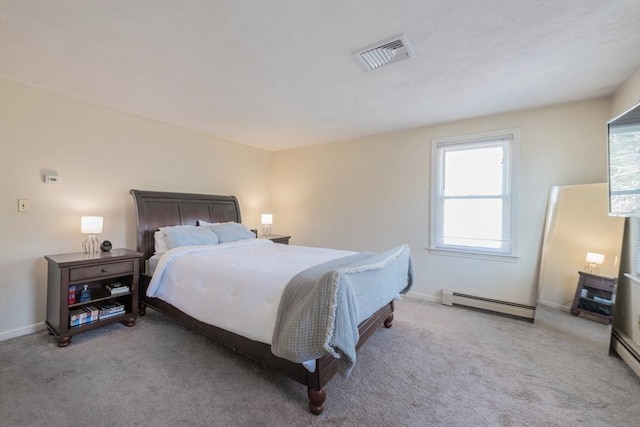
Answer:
(105, 309)
(106, 316)
(77, 317)
(72, 295)
(81, 316)
(92, 313)
(117, 288)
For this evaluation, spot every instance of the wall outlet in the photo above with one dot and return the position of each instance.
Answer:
(23, 205)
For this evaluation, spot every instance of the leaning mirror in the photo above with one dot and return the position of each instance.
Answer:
(580, 254)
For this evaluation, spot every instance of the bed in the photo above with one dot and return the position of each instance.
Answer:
(159, 209)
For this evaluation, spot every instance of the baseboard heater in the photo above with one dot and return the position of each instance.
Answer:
(519, 311)
(628, 350)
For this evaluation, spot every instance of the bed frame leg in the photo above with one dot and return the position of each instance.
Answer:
(388, 322)
(142, 309)
(316, 400)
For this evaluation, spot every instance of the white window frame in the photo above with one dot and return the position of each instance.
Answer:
(510, 138)
(636, 222)
(634, 237)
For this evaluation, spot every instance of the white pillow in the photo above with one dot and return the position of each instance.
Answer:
(161, 245)
(230, 231)
(185, 235)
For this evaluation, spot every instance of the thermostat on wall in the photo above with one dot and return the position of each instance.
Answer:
(50, 179)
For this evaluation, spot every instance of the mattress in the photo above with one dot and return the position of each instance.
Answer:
(235, 286)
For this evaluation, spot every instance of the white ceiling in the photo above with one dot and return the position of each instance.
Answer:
(279, 74)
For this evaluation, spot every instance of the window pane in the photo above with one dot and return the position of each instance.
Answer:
(624, 169)
(473, 172)
(474, 193)
(473, 222)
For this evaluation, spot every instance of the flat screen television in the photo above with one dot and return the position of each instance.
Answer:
(624, 163)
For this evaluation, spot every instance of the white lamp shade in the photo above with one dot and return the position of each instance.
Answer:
(267, 219)
(91, 225)
(594, 258)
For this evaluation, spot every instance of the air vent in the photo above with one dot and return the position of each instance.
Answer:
(386, 52)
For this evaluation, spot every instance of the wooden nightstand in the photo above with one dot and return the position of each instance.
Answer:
(95, 271)
(595, 297)
(277, 238)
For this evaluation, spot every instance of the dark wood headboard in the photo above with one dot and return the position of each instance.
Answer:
(155, 209)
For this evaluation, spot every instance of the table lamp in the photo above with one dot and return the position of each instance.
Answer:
(267, 220)
(91, 225)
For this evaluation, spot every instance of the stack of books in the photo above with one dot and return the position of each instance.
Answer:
(117, 289)
(107, 310)
(83, 315)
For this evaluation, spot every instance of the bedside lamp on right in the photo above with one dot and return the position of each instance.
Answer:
(593, 260)
(267, 220)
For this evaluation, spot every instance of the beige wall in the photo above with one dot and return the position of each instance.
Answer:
(627, 96)
(373, 193)
(99, 155)
(627, 316)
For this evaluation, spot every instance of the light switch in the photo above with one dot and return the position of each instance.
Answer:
(23, 205)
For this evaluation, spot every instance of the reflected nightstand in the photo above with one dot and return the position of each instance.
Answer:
(595, 297)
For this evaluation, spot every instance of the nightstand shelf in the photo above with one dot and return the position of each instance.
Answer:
(98, 299)
(94, 271)
(595, 297)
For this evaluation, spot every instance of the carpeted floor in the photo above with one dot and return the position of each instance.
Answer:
(437, 366)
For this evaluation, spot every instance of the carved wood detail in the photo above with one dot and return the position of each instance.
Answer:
(316, 400)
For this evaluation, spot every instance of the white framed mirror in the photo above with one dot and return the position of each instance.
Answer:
(577, 224)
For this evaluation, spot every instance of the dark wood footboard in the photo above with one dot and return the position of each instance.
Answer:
(326, 367)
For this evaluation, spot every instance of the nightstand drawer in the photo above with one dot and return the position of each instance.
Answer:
(98, 271)
(598, 282)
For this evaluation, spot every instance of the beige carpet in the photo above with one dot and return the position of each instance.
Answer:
(438, 366)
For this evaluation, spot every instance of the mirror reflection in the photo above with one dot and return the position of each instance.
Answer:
(580, 262)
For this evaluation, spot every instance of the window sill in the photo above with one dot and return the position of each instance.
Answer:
(474, 255)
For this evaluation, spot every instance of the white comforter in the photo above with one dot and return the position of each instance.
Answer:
(235, 286)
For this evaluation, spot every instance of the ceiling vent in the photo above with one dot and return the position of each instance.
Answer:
(386, 52)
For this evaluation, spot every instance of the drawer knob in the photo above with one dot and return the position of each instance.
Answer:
(104, 270)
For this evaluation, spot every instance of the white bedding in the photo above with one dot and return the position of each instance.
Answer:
(235, 286)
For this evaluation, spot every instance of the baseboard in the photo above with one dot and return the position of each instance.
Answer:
(628, 350)
(565, 308)
(25, 330)
(518, 311)
(422, 297)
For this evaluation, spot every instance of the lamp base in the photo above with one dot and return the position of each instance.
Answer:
(266, 230)
(91, 245)
(592, 268)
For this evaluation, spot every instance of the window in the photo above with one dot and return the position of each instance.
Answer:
(473, 193)
(624, 164)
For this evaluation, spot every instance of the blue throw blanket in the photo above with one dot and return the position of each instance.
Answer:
(321, 307)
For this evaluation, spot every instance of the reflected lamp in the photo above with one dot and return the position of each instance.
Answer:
(593, 260)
